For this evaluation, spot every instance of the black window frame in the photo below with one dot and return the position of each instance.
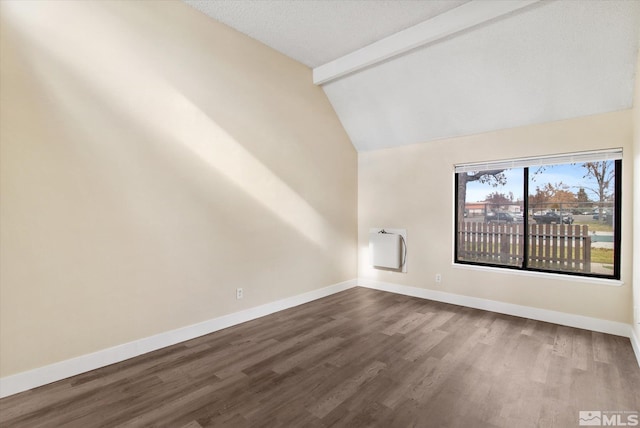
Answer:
(617, 236)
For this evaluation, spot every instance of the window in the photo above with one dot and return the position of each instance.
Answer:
(556, 214)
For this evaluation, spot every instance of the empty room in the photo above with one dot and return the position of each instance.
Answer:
(315, 213)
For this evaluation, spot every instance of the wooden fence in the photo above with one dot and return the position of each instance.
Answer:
(551, 246)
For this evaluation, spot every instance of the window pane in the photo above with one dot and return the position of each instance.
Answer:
(490, 227)
(571, 218)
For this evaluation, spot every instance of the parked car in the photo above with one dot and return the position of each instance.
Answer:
(499, 217)
(553, 217)
(596, 215)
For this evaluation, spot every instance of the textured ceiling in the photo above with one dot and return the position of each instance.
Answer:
(550, 61)
(315, 32)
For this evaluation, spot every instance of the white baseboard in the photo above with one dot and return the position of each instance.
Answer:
(24, 381)
(570, 320)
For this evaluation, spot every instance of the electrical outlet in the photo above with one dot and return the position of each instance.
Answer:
(239, 293)
(438, 278)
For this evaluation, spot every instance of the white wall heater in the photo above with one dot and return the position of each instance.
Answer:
(387, 248)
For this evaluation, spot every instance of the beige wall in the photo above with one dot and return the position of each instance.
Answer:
(412, 187)
(636, 200)
(152, 161)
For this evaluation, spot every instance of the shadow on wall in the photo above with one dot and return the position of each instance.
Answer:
(118, 78)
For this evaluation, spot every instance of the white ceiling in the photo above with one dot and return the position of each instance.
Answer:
(549, 61)
(315, 32)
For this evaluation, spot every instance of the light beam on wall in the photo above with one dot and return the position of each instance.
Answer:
(119, 73)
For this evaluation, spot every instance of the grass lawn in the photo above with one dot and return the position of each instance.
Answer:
(596, 226)
(601, 255)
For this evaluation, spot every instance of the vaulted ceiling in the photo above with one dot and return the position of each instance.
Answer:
(404, 72)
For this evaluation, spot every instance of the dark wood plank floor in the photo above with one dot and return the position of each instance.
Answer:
(358, 358)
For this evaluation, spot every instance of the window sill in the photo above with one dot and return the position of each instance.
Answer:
(545, 275)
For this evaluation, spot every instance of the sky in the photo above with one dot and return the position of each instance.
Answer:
(569, 174)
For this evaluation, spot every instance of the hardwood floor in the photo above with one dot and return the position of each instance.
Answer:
(358, 358)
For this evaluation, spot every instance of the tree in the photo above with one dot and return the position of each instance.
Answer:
(495, 177)
(582, 196)
(550, 195)
(498, 200)
(603, 173)
(583, 199)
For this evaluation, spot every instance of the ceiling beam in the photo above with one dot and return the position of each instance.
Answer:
(453, 21)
